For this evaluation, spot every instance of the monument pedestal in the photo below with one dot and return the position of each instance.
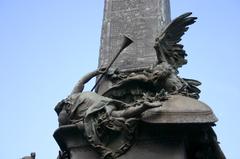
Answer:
(152, 141)
(71, 138)
(181, 129)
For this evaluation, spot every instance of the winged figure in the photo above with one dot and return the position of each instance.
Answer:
(170, 51)
(167, 44)
(163, 76)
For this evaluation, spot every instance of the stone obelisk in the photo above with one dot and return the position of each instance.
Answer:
(142, 21)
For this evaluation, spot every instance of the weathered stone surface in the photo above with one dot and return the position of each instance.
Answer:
(180, 109)
(152, 141)
(139, 19)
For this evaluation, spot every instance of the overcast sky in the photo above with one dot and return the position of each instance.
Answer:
(47, 45)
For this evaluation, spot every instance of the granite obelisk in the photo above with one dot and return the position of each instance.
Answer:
(142, 21)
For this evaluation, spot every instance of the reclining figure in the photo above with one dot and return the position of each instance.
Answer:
(102, 116)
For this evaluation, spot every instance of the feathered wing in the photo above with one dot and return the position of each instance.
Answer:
(167, 44)
(192, 87)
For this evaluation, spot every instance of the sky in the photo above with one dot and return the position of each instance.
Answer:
(47, 45)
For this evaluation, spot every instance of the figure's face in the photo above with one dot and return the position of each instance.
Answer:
(161, 72)
(156, 75)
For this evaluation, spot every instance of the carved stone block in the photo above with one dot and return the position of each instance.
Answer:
(139, 19)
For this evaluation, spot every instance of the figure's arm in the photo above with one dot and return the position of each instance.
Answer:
(134, 111)
(80, 85)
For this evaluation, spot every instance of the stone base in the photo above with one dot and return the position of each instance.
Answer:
(153, 141)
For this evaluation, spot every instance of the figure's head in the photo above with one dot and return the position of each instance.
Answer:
(58, 108)
(161, 71)
(66, 102)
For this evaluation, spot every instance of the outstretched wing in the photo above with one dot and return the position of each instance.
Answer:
(167, 44)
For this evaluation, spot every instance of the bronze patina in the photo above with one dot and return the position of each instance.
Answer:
(139, 112)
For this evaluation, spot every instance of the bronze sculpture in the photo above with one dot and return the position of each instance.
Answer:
(96, 113)
(109, 120)
(163, 75)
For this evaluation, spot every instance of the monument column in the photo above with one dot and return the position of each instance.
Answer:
(142, 21)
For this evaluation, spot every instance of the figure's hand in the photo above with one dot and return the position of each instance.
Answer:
(149, 105)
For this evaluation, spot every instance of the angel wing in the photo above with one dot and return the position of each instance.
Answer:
(167, 44)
